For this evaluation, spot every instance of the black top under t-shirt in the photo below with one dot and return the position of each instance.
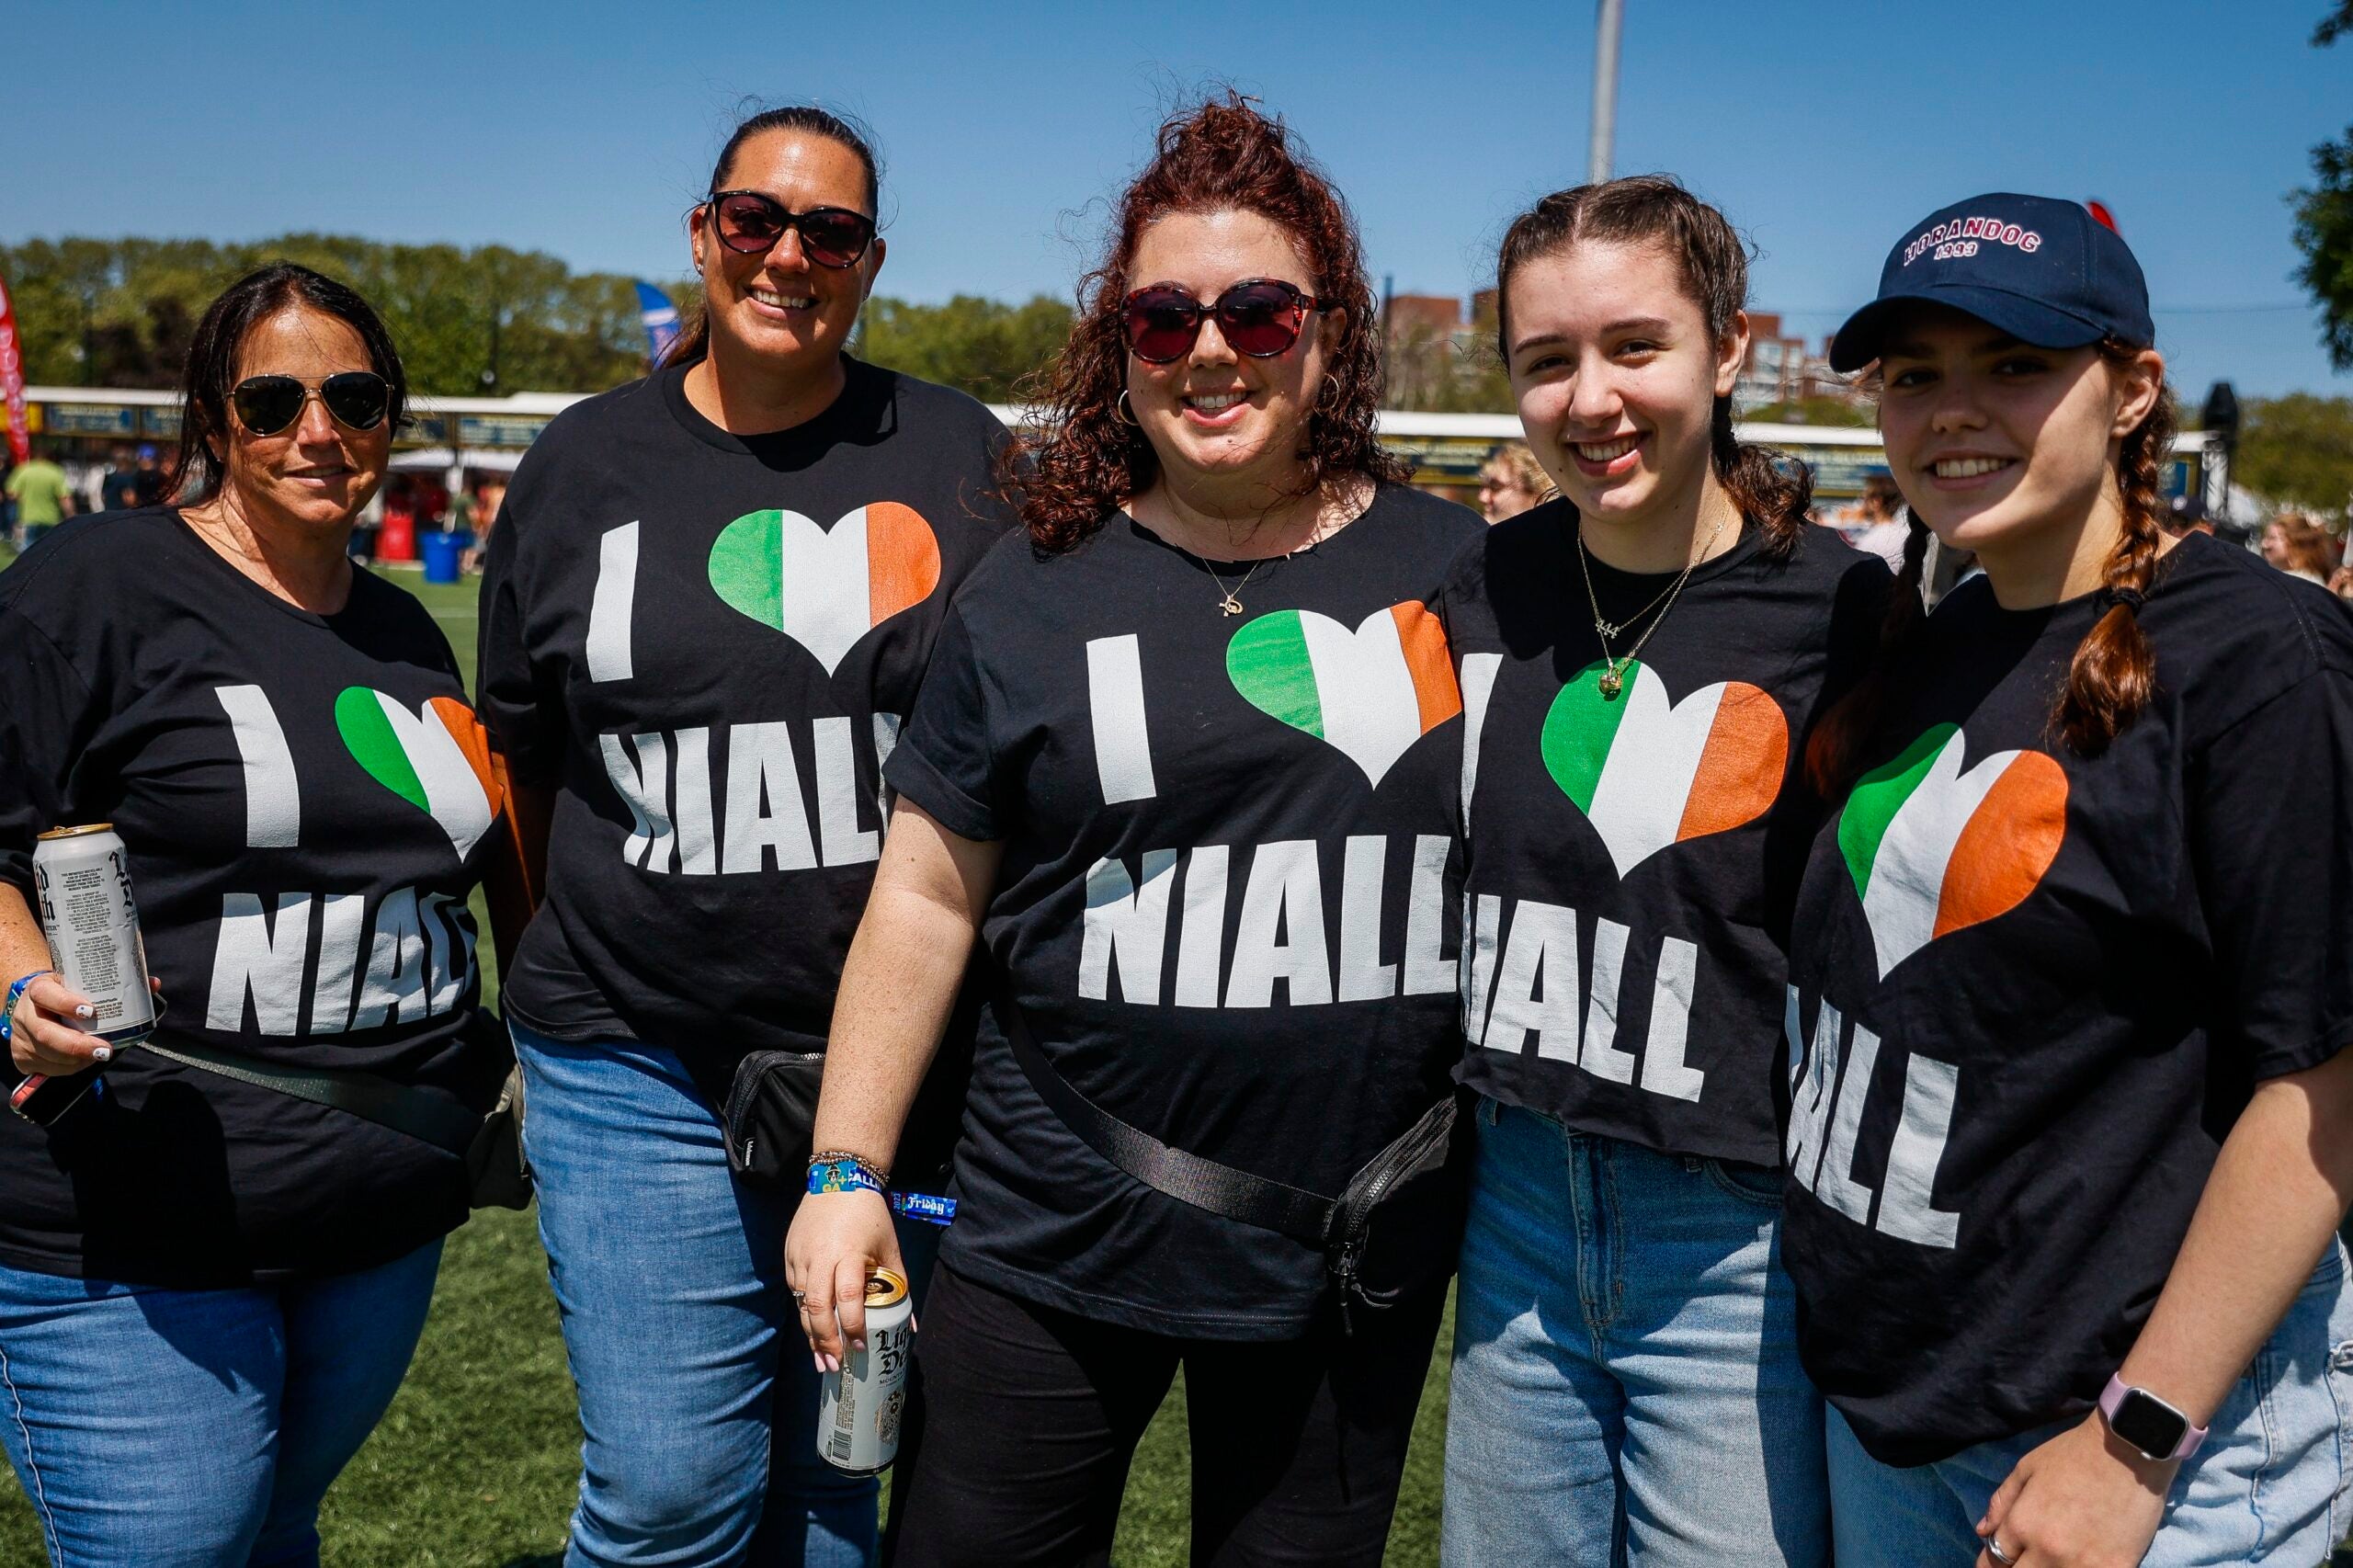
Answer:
(2030, 991)
(306, 801)
(1227, 903)
(1633, 859)
(706, 642)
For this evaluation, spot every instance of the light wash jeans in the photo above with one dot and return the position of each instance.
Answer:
(197, 1428)
(2267, 1486)
(1626, 1380)
(698, 1399)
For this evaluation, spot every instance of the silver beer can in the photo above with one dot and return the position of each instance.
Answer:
(857, 1419)
(83, 875)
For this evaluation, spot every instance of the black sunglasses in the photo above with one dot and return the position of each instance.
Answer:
(750, 224)
(357, 400)
(1259, 316)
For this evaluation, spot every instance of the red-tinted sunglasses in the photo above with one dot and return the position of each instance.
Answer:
(750, 224)
(1259, 316)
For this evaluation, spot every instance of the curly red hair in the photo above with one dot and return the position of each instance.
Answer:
(1085, 459)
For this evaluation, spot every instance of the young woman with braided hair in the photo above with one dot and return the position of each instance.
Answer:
(1641, 659)
(2071, 1126)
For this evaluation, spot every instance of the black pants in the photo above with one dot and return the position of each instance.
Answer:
(1022, 1421)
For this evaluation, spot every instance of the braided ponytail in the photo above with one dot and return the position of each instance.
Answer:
(2115, 670)
(1831, 751)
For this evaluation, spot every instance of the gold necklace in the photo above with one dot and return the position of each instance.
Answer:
(1231, 604)
(1613, 679)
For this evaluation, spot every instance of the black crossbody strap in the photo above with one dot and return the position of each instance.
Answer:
(444, 1125)
(1205, 1184)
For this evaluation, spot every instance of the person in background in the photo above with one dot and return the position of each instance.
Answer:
(153, 486)
(1875, 524)
(1510, 482)
(43, 496)
(1210, 659)
(487, 502)
(2301, 547)
(2186, 514)
(118, 491)
(2071, 1120)
(209, 1288)
(706, 613)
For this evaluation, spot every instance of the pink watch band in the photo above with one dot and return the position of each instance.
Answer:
(2113, 1395)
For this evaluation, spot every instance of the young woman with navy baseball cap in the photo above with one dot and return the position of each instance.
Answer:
(2072, 1121)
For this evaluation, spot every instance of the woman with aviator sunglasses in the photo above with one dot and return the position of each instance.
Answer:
(707, 608)
(209, 1288)
(1183, 764)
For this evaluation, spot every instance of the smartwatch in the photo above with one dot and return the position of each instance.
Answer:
(2153, 1428)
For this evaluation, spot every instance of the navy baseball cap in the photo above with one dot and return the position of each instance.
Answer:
(2047, 272)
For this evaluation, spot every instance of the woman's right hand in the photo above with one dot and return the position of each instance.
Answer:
(44, 1039)
(837, 1239)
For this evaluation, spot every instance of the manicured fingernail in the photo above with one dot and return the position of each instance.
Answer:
(858, 1343)
(104, 1052)
(816, 1361)
(86, 1011)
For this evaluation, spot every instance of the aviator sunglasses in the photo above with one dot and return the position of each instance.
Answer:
(1259, 316)
(357, 400)
(750, 224)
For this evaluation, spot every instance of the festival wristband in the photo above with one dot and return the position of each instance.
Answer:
(844, 1175)
(17, 995)
(923, 1205)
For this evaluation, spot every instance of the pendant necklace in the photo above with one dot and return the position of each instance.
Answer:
(1613, 677)
(1231, 601)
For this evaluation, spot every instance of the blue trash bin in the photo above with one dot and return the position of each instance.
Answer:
(441, 551)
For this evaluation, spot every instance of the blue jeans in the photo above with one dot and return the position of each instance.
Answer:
(1626, 1379)
(197, 1428)
(698, 1399)
(2267, 1486)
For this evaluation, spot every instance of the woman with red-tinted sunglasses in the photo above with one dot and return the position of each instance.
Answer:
(708, 604)
(1184, 763)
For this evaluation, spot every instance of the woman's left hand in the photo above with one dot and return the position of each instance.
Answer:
(2085, 1499)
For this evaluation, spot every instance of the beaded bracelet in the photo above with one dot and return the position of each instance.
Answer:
(17, 995)
(874, 1173)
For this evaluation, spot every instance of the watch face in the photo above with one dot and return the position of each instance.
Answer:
(2149, 1424)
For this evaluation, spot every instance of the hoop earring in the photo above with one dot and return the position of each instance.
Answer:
(1331, 384)
(1127, 415)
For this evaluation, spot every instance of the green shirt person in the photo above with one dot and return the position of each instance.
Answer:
(40, 492)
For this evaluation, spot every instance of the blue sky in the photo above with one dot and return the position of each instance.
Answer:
(586, 129)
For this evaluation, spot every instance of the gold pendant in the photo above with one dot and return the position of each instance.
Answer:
(1232, 606)
(1610, 684)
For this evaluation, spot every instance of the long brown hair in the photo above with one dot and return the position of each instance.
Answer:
(1084, 457)
(694, 341)
(1713, 262)
(2114, 672)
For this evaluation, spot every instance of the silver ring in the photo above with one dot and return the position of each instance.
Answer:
(799, 1295)
(1994, 1549)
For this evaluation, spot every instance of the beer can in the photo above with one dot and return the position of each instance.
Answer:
(83, 876)
(858, 1419)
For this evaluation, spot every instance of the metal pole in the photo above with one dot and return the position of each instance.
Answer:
(1604, 89)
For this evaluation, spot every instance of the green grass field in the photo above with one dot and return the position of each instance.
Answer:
(477, 1462)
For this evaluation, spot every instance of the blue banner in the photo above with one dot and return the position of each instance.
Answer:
(661, 319)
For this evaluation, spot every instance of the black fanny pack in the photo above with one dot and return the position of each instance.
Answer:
(1393, 1233)
(769, 1113)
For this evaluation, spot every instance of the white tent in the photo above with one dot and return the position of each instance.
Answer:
(434, 460)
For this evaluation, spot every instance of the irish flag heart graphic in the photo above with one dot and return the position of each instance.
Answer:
(1648, 772)
(435, 759)
(1369, 693)
(826, 587)
(1934, 849)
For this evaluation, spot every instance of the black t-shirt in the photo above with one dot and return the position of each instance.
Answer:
(1227, 900)
(306, 801)
(706, 643)
(2051, 984)
(1632, 861)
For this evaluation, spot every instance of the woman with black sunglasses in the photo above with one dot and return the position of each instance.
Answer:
(209, 1288)
(706, 609)
(1185, 764)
